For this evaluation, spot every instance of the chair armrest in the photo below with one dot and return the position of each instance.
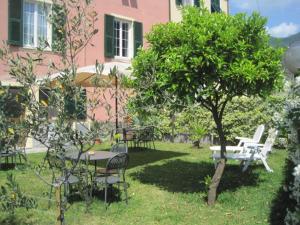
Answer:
(228, 148)
(253, 144)
(243, 138)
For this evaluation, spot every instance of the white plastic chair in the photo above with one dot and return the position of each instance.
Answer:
(256, 137)
(252, 152)
(238, 148)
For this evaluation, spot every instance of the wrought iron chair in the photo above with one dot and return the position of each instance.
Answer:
(146, 136)
(120, 147)
(118, 163)
(67, 177)
(7, 152)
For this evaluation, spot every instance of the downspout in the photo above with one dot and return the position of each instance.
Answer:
(170, 10)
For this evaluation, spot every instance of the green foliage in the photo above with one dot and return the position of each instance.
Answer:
(207, 181)
(242, 115)
(207, 55)
(206, 59)
(11, 197)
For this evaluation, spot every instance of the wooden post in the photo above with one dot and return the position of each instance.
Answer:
(60, 211)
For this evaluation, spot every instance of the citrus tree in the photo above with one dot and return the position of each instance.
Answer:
(207, 59)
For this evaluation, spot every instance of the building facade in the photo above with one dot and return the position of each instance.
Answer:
(121, 24)
(212, 5)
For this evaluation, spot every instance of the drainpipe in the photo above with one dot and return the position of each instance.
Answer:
(170, 10)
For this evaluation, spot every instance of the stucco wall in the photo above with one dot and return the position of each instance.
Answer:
(147, 12)
(144, 11)
(175, 11)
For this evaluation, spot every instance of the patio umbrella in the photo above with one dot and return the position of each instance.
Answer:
(85, 75)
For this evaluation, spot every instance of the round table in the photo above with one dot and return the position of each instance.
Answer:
(96, 156)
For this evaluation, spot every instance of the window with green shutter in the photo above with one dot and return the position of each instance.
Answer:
(178, 2)
(76, 107)
(215, 6)
(109, 36)
(117, 37)
(28, 23)
(15, 22)
(138, 36)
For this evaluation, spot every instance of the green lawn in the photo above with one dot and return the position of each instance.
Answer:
(166, 188)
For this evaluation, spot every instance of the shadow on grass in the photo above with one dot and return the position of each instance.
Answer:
(143, 156)
(188, 177)
(282, 202)
(13, 220)
(12, 166)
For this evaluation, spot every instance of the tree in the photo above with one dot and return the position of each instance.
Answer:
(207, 59)
(73, 24)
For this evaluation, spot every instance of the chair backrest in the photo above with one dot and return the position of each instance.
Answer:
(82, 128)
(147, 134)
(258, 133)
(56, 161)
(118, 162)
(120, 147)
(270, 141)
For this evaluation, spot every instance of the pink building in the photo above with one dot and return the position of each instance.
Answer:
(122, 25)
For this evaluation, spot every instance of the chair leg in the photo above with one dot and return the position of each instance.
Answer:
(215, 163)
(125, 189)
(105, 196)
(50, 193)
(266, 165)
(246, 165)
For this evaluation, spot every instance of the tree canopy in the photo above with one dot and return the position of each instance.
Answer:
(207, 59)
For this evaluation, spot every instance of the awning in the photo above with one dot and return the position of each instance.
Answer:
(85, 75)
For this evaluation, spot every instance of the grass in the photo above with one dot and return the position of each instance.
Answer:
(166, 188)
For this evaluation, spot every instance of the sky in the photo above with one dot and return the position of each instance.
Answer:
(283, 15)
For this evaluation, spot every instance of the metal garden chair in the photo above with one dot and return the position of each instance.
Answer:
(118, 163)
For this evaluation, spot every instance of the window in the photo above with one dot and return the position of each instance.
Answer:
(188, 2)
(28, 23)
(122, 37)
(215, 6)
(36, 28)
(121, 40)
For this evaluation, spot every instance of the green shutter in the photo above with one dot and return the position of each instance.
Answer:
(178, 2)
(138, 36)
(109, 36)
(197, 3)
(15, 22)
(58, 21)
(70, 106)
(81, 107)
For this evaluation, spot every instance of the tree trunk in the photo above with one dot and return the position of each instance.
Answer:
(212, 192)
(172, 126)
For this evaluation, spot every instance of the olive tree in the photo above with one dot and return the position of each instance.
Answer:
(207, 59)
(73, 24)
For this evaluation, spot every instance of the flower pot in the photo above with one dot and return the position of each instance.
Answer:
(97, 141)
